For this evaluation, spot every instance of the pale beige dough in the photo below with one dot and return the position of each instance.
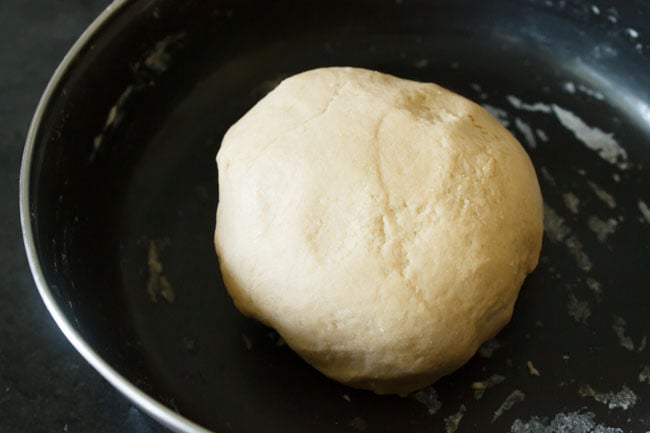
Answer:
(382, 226)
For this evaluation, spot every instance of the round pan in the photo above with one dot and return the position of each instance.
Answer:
(118, 196)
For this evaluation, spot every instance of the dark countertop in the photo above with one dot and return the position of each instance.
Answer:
(45, 385)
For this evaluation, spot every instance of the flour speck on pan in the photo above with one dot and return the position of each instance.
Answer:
(534, 107)
(513, 398)
(499, 113)
(571, 202)
(488, 348)
(594, 138)
(453, 421)
(624, 340)
(644, 375)
(157, 282)
(153, 64)
(578, 309)
(603, 143)
(594, 212)
(595, 287)
(623, 399)
(527, 132)
(602, 228)
(572, 88)
(603, 195)
(532, 369)
(557, 230)
(428, 397)
(480, 387)
(645, 211)
(572, 422)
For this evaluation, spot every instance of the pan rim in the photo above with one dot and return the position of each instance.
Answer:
(144, 401)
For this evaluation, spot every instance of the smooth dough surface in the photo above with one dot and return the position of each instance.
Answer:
(382, 226)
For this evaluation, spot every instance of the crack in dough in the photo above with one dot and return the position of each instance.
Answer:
(390, 225)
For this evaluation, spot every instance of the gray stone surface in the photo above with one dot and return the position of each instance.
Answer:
(45, 385)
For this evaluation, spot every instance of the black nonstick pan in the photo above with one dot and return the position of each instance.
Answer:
(119, 194)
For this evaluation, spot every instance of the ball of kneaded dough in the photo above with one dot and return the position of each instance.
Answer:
(382, 226)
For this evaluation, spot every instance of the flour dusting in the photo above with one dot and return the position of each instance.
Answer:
(569, 87)
(477, 88)
(594, 138)
(578, 310)
(559, 232)
(572, 202)
(644, 376)
(590, 92)
(488, 348)
(645, 211)
(359, 423)
(422, 63)
(531, 369)
(576, 249)
(602, 228)
(618, 326)
(572, 422)
(527, 132)
(500, 114)
(157, 282)
(515, 397)
(479, 388)
(159, 57)
(603, 195)
(155, 62)
(547, 176)
(542, 135)
(554, 225)
(595, 287)
(534, 107)
(428, 397)
(623, 399)
(113, 119)
(453, 421)
(248, 344)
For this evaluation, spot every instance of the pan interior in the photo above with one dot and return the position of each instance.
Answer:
(125, 193)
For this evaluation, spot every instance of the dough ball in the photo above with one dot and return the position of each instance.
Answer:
(382, 226)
